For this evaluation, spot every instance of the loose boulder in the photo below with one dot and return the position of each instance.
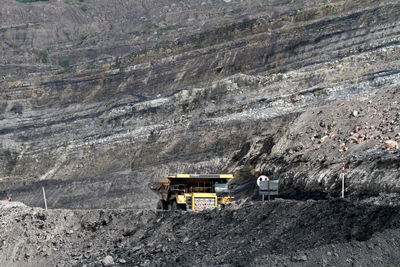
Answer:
(108, 261)
(390, 144)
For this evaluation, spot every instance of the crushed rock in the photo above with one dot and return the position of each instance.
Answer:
(282, 232)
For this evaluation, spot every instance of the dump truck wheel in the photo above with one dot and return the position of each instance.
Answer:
(160, 205)
(174, 205)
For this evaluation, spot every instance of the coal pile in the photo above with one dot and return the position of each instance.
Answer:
(276, 233)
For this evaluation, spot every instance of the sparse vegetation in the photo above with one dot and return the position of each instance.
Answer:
(171, 27)
(15, 46)
(85, 7)
(43, 55)
(65, 63)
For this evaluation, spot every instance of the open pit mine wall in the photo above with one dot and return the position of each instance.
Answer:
(244, 88)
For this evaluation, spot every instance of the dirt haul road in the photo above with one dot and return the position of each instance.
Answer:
(277, 233)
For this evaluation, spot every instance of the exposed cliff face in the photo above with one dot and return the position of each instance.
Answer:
(157, 88)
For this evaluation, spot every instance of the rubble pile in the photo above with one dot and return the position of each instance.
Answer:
(275, 233)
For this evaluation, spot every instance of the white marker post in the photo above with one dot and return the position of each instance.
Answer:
(343, 180)
(44, 197)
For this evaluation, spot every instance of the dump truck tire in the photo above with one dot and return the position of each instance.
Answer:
(160, 205)
(174, 205)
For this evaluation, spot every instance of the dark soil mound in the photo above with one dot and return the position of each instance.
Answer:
(281, 232)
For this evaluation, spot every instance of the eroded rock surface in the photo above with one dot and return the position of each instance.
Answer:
(95, 104)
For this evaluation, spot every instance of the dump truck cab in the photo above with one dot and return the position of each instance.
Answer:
(192, 191)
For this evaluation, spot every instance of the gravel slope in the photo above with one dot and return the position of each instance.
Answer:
(279, 233)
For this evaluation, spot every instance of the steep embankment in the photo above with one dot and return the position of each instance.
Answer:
(279, 233)
(96, 103)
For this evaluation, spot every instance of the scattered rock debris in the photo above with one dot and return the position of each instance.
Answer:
(279, 232)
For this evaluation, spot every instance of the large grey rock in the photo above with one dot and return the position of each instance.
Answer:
(108, 261)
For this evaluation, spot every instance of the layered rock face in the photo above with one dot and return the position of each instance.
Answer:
(95, 103)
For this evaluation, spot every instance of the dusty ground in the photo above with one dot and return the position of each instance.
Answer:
(331, 232)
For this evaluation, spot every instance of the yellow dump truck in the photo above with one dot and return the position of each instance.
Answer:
(192, 191)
